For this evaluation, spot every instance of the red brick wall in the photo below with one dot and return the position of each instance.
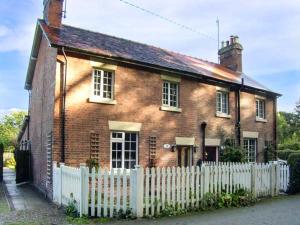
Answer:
(138, 94)
(41, 112)
(248, 121)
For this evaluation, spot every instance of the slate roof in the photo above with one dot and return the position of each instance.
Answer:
(119, 48)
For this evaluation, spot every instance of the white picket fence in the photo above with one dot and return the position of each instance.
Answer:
(146, 192)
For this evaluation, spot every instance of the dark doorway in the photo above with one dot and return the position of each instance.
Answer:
(210, 153)
(185, 156)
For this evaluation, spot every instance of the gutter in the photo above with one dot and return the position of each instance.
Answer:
(196, 76)
(40, 31)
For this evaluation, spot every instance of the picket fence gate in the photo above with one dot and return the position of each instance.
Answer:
(146, 192)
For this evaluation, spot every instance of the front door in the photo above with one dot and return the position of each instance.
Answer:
(211, 153)
(185, 156)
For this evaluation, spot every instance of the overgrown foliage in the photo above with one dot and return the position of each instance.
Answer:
(10, 163)
(71, 209)
(284, 154)
(239, 198)
(289, 129)
(9, 128)
(231, 152)
(294, 162)
(92, 163)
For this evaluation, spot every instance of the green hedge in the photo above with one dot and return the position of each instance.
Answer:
(294, 162)
(294, 146)
(284, 154)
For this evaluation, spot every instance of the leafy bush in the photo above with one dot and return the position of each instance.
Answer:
(232, 154)
(121, 214)
(294, 162)
(10, 163)
(290, 145)
(284, 154)
(92, 163)
(71, 209)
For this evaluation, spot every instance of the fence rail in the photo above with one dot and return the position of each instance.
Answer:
(147, 192)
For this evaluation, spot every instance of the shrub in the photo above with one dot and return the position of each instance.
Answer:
(289, 145)
(71, 209)
(294, 162)
(92, 163)
(232, 154)
(10, 163)
(284, 154)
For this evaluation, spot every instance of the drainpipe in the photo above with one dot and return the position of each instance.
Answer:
(63, 119)
(28, 112)
(203, 126)
(275, 126)
(238, 114)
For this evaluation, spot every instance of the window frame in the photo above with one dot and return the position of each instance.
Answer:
(100, 97)
(222, 93)
(260, 102)
(169, 94)
(248, 147)
(122, 140)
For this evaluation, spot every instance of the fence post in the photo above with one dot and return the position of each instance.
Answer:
(83, 207)
(253, 175)
(139, 188)
(56, 183)
(272, 180)
(61, 165)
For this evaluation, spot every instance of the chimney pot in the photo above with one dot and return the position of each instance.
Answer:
(231, 54)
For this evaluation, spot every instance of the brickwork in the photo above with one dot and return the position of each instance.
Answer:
(138, 94)
(41, 113)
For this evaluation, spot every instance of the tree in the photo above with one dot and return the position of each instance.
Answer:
(289, 129)
(10, 126)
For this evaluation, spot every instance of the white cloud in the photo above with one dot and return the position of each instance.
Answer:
(18, 38)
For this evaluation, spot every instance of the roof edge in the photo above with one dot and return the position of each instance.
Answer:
(34, 54)
(23, 128)
(163, 69)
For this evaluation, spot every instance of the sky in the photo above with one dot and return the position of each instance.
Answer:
(268, 30)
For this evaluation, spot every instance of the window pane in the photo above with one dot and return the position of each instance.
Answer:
(97, 82)
(107, 84)
(173, 94)
(165, 93)
(128, 145)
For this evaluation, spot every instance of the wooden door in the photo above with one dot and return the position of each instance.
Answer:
(184, 156)
(211, 153)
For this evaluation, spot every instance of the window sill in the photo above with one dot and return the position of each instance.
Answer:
(102, 101)
(171, 109)
(223, 115)
(261, 120)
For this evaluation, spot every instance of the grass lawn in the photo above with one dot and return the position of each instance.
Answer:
(4, 208)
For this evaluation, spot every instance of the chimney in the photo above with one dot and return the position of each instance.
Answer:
(53, 11)
(231, 54)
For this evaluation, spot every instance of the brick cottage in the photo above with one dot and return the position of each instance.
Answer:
(122, 103)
